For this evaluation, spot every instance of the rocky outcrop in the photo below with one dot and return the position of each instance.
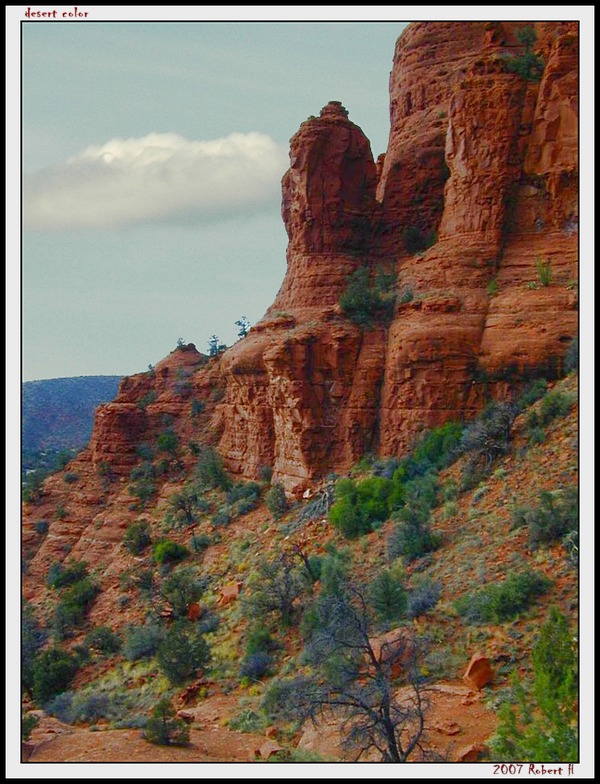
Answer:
(474, 210)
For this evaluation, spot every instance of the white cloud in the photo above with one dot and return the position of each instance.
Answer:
(162, 177)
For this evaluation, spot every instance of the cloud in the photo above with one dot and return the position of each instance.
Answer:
(162, 177)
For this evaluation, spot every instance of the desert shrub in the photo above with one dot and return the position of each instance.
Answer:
(73, 707)
(74, 603)
(70, 477)
(368, 300)
(137, 537)
(164, 729)
(186, 506)
(141, 642)
(62, 575)
(167, 551)
(411, 538)
(571, 544)
(276, 500)
(438, 447)
(423, 597)
(199, 542)
(182, 652)
(197, 407)
(210, 472)
(243, 490)
(541, 723)
(103, 639)
(544, 271)
(259, 641)
(556, 516)
(532, 393)
(572, 356)
(181, 588)
(555, 404)
(248, 721)
(256, 665)
(488, 436)
(29, 722)
(168, 442)
(499, 602)
(275, 588)
(33, 637)
(416, 240)
(527, 65)
(246, 505)
(360, 505)
(265, 473)
(223, 516)
(41, 527)
(53, 671)
(388, 596)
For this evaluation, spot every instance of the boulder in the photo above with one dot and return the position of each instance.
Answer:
(479, 672)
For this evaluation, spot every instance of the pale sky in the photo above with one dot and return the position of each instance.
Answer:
(152, 157)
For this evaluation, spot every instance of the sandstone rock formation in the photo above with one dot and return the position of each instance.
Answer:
(475, 197)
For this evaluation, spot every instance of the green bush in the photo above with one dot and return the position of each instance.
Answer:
(103, 639)
(438, 447)
(164, 729)
(556, 516)
(532, 393)
(210, 472)
(572, 356)
(181, 588)
(199, 542)
(541, 724)
(41, 527)
(276, 500)
(360, 505)
(137, 537)
(168, 442)
(527, 65)
(544, 272)
(62, 575)
(168, 551)
(555, 404)
(182, 653)
(488, 436)
(367, 300)
(29, 722)
(141, 642)
(416, 240)
(388, 596)
(411, 538)
(53, 671)
(500, 602)
(74, 604)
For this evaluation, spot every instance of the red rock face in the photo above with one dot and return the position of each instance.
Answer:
(478, 156)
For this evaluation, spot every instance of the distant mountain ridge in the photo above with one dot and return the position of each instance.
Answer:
(58, 413)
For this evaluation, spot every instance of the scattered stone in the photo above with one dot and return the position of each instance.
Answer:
(229, 593)
(267, 750)
(479, 672)
(449, 728)
(471, 753)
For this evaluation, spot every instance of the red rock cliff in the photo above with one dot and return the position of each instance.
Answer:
(481, 162)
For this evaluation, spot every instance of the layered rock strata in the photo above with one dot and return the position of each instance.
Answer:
(481, 174)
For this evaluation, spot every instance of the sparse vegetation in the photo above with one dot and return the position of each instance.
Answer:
(500, 602)
(540, 725)
(164, 729)
(527, 65)
(367, 301)
(137, 537)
